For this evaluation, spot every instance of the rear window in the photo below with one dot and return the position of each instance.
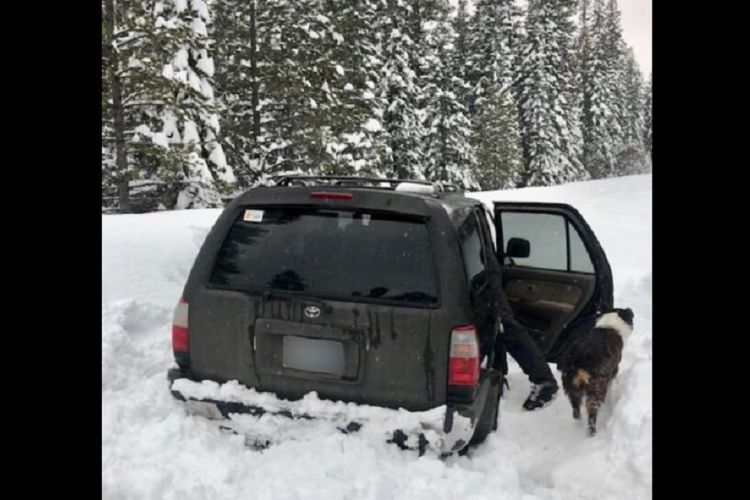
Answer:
(331, 254)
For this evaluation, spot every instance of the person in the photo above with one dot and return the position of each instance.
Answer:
(519, 344)
(515, 339)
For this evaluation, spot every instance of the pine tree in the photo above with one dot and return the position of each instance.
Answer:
(398, 88)
(546, 93)
(317, 83)
(461, 26)
(199, 104)
(604, 117)
(493, 43)
(237, 84)
(447, 153)
(158, 103)
(496, 141)
(283, 39)
(461, 64)
(616, 57)
(632, 158)
(351, 69)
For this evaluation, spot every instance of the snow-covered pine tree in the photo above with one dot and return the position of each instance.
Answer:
(351, 71)
(632, 157)
(447, 149)
(114, 177)
(318, 71)
(133, 92)
(161, 116)
(237, 84)
(615, 55)
(493, 41)
(496, 141)
(492, 57)
(398, 88)
(461, 25)
(582, 62)
(198, 103)
(546, 92)
(603, 109)
(283, 31)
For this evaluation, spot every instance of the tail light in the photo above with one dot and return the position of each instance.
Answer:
(463, 369)
(180, 332)
(327, 195)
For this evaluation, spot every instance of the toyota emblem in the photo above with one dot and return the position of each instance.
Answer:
(312, 311)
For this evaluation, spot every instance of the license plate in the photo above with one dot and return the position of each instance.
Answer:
(203, 409)
(313, 355)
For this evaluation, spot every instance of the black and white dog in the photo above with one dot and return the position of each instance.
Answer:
(592, 362)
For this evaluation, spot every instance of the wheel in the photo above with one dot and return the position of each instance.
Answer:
(488, 420)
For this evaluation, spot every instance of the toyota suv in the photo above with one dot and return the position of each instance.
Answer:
(373, 292)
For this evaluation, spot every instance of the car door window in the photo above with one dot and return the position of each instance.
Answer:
(554, 243)
(471, 247)
(580, 261)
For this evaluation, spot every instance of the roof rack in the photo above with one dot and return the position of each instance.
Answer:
(355, 181)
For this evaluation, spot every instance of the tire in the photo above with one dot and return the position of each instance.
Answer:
(488, 420)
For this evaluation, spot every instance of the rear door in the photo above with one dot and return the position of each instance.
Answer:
(563, 280)
(333, 299)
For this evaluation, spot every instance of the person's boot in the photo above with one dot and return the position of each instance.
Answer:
(541, 395)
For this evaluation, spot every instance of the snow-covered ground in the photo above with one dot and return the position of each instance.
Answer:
(152, 449)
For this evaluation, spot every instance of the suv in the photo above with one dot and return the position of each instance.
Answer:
(373, 291)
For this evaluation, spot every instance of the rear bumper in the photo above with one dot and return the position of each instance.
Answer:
(445, 429)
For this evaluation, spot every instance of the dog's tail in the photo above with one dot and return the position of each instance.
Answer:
(581, 378)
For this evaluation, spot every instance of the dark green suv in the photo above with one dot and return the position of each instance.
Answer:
(373, 291)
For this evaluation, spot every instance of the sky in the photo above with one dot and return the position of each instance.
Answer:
(636, 28)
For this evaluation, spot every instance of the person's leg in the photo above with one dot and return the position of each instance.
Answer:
(519, 344)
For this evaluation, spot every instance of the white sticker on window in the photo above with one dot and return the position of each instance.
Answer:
(253, 216)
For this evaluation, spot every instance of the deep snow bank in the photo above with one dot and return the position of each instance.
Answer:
(151, 449)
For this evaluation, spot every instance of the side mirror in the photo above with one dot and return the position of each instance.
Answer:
(518, 248)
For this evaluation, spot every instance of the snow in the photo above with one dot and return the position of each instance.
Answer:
(201, 8)
(372, 125)
(206, 89)
(195, 81)
(217, 156)
(199, 167)
(160, 139)
(181, 59)
(378, 423)
(170, 129)
(206, 64)
(152, 449)
(190, 134)
(167, 72)
(199, 27)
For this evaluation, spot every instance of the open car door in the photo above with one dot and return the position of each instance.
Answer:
(555, 273)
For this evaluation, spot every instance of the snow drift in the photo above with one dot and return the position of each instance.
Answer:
(152, 449)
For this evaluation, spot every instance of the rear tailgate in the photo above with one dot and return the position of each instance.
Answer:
(385, 355)
(330, 298)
